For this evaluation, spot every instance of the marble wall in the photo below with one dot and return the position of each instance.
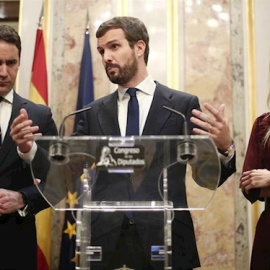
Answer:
(212, 55)
(214, 72)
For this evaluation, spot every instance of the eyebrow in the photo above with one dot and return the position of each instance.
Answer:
(108, 43)
(13, 60)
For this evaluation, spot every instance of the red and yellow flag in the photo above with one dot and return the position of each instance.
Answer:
(39, 87)
(39, 94)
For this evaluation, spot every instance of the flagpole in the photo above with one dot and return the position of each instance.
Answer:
(41, 17)
(87, 23)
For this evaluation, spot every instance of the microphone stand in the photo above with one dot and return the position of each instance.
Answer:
(186, 150)
(59, 151)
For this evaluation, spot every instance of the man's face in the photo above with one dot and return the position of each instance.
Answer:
(9, 65)
(119, 60)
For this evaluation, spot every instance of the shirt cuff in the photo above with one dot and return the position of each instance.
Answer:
(225, 159)
(29, 156)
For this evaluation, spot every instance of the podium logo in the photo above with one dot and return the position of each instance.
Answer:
(120, 157)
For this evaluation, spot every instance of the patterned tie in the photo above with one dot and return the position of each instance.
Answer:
(1, 99)
(133, 113)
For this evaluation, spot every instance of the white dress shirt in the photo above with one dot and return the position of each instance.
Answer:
(5, 112)
(144, 95)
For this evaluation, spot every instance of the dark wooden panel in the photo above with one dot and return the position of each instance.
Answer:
(9, 10)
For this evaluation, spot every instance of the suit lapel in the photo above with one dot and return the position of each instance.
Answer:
(108, 117)
(8, 143)
(154, 124)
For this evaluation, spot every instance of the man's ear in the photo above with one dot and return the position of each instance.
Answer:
(140, 48)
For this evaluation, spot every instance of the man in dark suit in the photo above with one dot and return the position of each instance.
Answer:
(123, 44)
(20, 200)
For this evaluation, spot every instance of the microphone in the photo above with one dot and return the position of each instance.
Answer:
(186, 150)
(59, 150)
(62, 126)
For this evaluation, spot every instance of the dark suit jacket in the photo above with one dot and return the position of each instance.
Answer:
(17, 234)
(102, 119)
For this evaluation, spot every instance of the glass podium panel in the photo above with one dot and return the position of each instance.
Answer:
(106, 179)
(138, 173)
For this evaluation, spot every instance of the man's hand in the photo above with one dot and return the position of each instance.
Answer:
(10, 201)
(22, 132)
(214, 125)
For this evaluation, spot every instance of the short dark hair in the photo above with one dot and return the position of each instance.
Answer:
(134, 30)
(9, 35)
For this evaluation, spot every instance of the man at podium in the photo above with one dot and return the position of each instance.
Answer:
(123, 44)
(137, 108)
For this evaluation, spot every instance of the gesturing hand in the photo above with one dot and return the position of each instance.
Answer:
(22, 132)
(214, 125)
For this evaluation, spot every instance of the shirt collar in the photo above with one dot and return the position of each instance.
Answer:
(147, 86)
(9, 97)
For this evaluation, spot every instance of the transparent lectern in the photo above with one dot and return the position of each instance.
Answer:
(103, 179)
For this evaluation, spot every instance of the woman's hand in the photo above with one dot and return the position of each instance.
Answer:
(259, 178)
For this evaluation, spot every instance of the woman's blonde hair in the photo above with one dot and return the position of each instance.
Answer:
(267, 134)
